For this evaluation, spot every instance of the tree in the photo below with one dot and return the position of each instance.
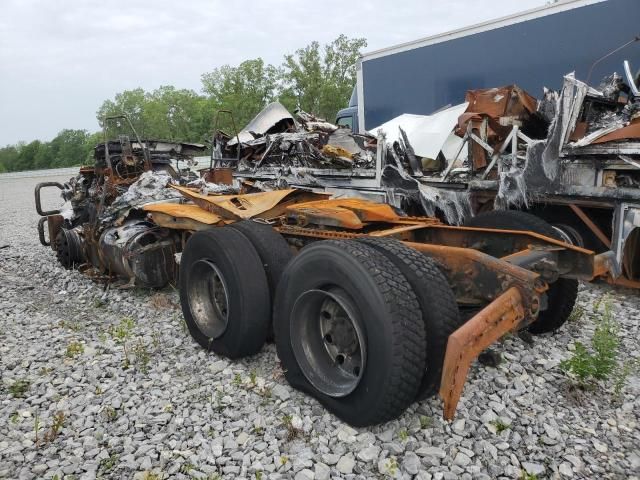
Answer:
(8, 158)
(244, 90)
(321, 82)
(131, 103)
(69, 148)
(318, 79)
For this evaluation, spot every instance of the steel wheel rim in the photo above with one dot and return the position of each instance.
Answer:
(208, 298)
(328, 340)
(569, 235)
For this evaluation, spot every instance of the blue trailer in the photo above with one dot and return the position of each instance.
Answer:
(533, 49)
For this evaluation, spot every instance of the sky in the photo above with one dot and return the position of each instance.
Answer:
(59, 60)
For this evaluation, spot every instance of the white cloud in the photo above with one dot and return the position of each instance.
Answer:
(59, 60)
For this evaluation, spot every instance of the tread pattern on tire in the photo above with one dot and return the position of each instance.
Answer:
(442, 317)
(408, 339)
(249, 335)
(563, 293)
(409, 350)
(272, 248)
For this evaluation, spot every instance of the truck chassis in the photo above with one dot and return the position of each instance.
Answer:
(498, 280)
(370, 309)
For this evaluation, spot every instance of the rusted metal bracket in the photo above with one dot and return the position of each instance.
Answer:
(465, 344)
(477, 278)
(39, 187)
(592, 226)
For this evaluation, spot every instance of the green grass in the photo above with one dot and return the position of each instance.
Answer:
(108, 464)
(19, 388)
(123, 331)
(500, 425)
(425, 422)
(528, 476)
(597, 362)
(74, 349)
(392, 466)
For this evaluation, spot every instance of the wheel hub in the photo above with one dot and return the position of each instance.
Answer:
(208, 298)
(68, 248)
(328, 340)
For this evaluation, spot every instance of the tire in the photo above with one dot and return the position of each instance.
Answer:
(272, 248)
(437, 303)
(568, 234)
(562, 294)
(570, 225)
(274, 253)
(386, 319)
(235, 323)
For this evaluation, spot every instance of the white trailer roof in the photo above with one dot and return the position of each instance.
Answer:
(561, 6)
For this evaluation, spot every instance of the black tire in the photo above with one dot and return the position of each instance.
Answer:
(562, 294)
(437, 303)
(68, 245)
(572, 227)
(247, 304)
(389, 316)
(272, 248)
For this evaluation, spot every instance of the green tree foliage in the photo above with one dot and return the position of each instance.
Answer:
(320, 80)
(68, 148)
(165, 113)
(317, 78)
(131, 103)
(244, 90)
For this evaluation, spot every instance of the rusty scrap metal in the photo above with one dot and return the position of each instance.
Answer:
(465, 344)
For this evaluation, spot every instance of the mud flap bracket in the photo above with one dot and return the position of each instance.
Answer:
(465, 344)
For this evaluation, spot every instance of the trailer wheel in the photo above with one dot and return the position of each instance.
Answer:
(562, 295)
(437, 303)
(349, 331)
(224, 292)
(568, 234)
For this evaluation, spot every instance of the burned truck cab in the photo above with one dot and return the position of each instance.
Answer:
(100, 230)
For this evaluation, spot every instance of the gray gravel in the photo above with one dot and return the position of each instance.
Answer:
(135, 396)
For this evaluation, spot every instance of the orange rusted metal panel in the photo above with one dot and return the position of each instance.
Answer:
(188, 211)
(631, 131)
(310, 213)
(236, 207)
(365, 210)
(350, 213)
(54, 224)
(465, 344)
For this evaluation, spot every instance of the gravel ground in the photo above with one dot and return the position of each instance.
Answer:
(109, 384)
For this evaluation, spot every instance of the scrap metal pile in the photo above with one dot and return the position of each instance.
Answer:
(275, 138)
(102, 225)
(500, 139)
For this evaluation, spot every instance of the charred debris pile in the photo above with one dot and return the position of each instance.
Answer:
(277, 139)
(500, 139)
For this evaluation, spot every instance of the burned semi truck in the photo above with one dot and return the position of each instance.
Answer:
(372, 304)
(370, 308)
(367, 257)
(593, 197)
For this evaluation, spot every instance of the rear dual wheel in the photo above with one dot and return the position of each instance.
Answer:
(350, 328)
(563, 293)
(360, 325)
(224, 293)
(228, 276)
